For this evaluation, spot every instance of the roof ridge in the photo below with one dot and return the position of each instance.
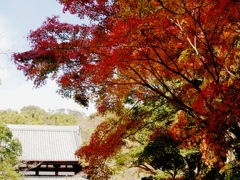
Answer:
(43, 127)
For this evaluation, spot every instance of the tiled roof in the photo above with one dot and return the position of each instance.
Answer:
(53, 178)
(47, 143)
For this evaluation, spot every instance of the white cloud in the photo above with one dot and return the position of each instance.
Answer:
(5, 43)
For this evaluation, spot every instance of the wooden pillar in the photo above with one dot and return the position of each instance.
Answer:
(56, 166)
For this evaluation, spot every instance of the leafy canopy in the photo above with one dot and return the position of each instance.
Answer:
(162, 153)
(36, 115)
(10, 149)
(182, 55)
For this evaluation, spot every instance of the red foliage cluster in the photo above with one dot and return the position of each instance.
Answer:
(105, 142)
(216, 110)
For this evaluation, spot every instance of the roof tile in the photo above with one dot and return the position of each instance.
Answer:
(47, 143)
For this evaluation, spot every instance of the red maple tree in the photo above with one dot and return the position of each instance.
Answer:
(184, 54)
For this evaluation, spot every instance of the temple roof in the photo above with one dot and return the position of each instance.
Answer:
(47, 143)
(53, 178)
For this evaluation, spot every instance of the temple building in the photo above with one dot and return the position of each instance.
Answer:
(48, 151)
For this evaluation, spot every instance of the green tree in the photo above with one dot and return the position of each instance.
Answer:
(162, 153)
(34, 114)
(61, 119)
(10, 149)
(11, 117)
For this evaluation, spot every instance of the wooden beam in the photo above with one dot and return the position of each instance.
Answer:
(63, 169)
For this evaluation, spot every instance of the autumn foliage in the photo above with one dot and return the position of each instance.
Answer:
(182, 54)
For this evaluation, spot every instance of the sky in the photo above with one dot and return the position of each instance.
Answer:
(17, 18)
